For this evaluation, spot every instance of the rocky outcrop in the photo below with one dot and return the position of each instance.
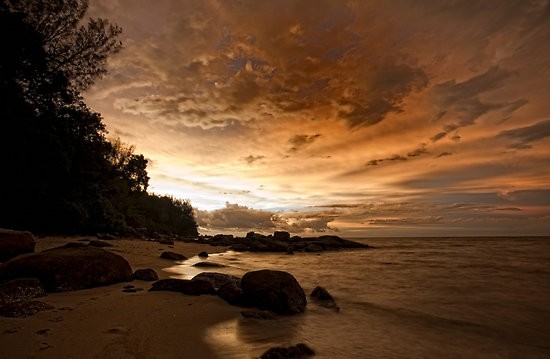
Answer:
(297, 351)
(277, 291)
(280, 241)
(146, 274)
(173, 256)
(14, 243)
(217, 279)
(313, 247)
(69, 268)
(185, 286)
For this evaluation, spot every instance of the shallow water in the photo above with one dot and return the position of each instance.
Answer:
(407, 298)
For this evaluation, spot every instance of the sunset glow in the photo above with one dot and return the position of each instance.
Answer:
(378, 118)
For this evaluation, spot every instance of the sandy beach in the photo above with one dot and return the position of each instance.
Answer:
(106, 322)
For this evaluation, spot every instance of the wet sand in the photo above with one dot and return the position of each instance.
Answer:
(106, 322)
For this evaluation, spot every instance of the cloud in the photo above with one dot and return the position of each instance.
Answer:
(522, 137)
(300, 141)
(251, 159)
(462, 101)
(444, 154)
(210, 90)
(418, 151)
(234, 217)
(384, 93)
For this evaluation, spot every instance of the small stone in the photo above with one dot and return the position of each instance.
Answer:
(208, 265)
(147, 274)
(297, 351)
(173, 256)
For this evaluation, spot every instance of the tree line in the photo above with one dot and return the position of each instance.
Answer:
(60, 174)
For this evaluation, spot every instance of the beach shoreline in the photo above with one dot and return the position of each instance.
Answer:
(105, 322)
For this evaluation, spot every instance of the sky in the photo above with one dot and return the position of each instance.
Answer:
(355, 118)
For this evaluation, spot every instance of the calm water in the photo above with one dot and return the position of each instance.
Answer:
(408, 298)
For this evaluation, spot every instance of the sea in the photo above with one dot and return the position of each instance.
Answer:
(404, 298)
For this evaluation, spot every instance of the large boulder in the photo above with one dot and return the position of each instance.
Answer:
(13, 243)
(69, 268)
(185, 286)
(277, 291)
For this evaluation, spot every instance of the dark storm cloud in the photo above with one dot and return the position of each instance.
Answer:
(461, 101)
(310, 56)
(382, 93)
(522, 137)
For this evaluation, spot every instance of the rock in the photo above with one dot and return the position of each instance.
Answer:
(173, 256)
(99, 244)
(20, 289)
(203, 255)
(166, 240)
(185, 286)
(14, 243)
(106, 236)
(232, 293)
(217, 279)
(277, 291)
(254, 235)
(208, 265)
(147, 274)
(321, 293)
(313, 248)
(281, 236)
(297, 351)
(23, 308)
(323, 297)
(259, 314)
(69, 268)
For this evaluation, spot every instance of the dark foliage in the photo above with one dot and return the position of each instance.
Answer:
(59, 172)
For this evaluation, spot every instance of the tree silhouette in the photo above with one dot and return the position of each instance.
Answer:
(60, 173)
